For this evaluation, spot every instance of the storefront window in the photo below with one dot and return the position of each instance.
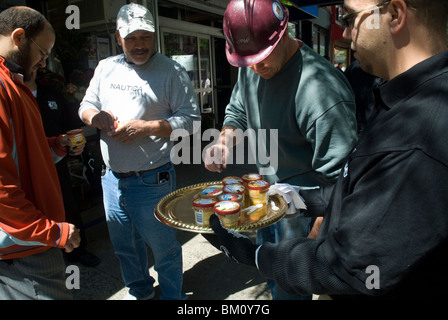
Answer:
(193, 53)
(206, 75)
(320, 40)
(340, 58)
(184, 50)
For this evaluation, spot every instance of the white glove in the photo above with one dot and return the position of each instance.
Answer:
(291, 195)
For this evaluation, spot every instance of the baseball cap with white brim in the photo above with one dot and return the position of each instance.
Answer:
(133, 17)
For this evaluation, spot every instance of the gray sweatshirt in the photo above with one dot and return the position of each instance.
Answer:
(311, 105)
(158, 90)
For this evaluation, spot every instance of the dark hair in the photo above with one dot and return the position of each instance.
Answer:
(432, 13)
(32, 21)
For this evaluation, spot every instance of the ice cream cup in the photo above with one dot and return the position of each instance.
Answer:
(228, 212)
(258, 194)
(203, 209)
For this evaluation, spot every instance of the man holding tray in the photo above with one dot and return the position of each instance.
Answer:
(385, 231)
(137, 99)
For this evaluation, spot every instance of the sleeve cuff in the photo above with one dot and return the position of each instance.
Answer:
(263, 259)
(57, 148)
(64, 229)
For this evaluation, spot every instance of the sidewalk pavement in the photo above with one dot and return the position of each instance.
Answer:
(208, 274)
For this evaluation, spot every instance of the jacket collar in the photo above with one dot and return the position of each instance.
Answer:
(391, 92)
(15, 71)
(12, 66)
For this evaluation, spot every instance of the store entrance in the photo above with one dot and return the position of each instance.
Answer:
(203, 57)
(193, 52)
(226, 77)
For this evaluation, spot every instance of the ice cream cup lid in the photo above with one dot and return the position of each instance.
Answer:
(75, 131)
(227, 207)
(230, 196)
(234, 188)
(231, 180)
(251, 176)
(212, 191)
(258, 185)
(204, 202)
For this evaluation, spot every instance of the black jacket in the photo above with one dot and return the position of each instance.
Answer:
(389, 208)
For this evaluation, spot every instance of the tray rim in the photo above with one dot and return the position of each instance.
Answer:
(164, 218)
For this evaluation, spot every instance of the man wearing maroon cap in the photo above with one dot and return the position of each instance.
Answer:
(284, 85)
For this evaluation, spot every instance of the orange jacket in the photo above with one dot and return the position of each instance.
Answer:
(31, 205)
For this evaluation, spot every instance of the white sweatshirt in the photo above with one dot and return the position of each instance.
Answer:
(158, 90)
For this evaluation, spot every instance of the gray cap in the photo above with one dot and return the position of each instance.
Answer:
(133, 17)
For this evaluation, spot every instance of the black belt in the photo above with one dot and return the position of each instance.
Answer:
(135, 173)
(129, 174)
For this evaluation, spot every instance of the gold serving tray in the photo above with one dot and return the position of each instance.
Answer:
(176, 210)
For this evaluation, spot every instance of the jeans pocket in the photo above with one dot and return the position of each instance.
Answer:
(158, 179)
(149, 179)
(151, 191)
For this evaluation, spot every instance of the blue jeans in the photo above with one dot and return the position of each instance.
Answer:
(129, 204)
(289, 228)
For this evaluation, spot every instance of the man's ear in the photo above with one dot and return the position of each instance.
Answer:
(118, 37)
(398, 12)
(17, 36)
(119, 41)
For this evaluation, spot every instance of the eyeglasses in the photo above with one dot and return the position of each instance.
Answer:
(347, 20)
(44, 54)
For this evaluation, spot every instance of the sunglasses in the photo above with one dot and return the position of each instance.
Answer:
(347, 20)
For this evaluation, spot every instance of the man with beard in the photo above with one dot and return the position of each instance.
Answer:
(32, 216)
(149, 96)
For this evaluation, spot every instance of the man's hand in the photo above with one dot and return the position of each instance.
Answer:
(74, 239)
(64, 141)
(131, 130)
(315, 229)
(216, 158)
(77, 150)
(103, 120)
(235, 245)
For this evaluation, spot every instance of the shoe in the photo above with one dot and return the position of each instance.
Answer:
(89, 260)
(84, 257)
(129, 296)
